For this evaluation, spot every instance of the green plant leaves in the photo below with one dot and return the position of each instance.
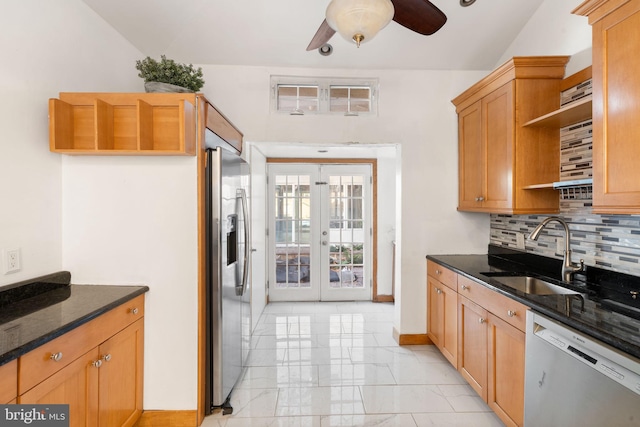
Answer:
(169, 71)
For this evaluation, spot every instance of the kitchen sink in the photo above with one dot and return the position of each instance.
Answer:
(533, 285)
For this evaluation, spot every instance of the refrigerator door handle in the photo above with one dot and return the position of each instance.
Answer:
(247, 247)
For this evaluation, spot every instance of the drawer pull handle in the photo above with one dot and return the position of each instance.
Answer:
(511, 313)
(106, 357)
(481, 320)
(634, 294)
(56, 357)
(439, 291)
(438, 272)
(96, 363)
(134, 310)
(464, 287)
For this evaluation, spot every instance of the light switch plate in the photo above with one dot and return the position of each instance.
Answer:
(559, 245)
(520, 240)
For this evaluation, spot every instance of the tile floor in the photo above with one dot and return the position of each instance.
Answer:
(337, 364)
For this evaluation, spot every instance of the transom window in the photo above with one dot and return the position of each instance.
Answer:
(315, 95)
(297, 99)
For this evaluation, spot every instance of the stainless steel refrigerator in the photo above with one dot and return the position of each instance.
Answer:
(228, 252)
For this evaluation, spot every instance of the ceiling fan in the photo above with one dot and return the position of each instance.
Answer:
(360, 20)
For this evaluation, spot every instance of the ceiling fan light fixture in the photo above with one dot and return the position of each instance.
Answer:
(359, 20)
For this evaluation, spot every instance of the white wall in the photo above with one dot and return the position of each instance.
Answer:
(107, 220)
(415, 112)
(133, 220)
(258, 164)
(47, 47)
(554, 30)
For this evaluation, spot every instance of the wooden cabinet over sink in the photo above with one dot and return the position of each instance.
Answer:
(500, 159)
(616, 104)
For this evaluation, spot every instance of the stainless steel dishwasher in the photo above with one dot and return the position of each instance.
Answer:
(572, 379)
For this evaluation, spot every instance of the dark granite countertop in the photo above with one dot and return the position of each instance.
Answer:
(604, 308)
(36, 311)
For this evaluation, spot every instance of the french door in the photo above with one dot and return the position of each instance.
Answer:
(320, 232)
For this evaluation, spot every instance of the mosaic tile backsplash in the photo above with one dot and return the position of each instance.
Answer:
(610, 242)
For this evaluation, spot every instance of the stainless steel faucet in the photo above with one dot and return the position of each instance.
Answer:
(568, 268)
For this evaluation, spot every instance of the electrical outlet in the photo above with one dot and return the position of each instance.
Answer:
(12, 261)
(559, 245)
(520, 240)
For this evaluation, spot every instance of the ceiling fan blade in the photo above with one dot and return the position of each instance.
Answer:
(420, 16)
(324, 33)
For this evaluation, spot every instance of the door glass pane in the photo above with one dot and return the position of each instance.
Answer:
(347, 238)
(293, 231)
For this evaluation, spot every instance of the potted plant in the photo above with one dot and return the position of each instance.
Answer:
(167, 75)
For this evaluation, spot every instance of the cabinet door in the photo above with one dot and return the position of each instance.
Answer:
(472, 345)
(435, 313)
(121, 377)
(75, 384)
(616, 106)
(470, 158)
(506, 371)
(8, 382)
(498, 120)
(450, 325)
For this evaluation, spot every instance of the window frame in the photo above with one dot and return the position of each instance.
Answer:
(324, 85)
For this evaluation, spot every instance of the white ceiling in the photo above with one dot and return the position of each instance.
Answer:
(276, 33)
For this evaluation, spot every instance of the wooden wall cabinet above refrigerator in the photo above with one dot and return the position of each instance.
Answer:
(499, 159)
(169, 124)
(616, 104)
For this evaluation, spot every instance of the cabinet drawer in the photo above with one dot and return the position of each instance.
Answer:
(8, 381)
(442, 275)
(40, 363)
(501, 306)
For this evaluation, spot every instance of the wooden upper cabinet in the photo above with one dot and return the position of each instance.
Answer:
(498, 115)
(499, 157)
(616, 104)
(470, 155)
(123, 123)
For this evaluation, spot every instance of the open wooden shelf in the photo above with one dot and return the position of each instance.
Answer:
(122, 124)
(574, 112)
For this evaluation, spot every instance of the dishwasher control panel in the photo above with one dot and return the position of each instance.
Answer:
(589, 352)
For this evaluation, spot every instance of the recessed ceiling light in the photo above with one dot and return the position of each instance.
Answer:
(325, 50)
(465, 3)
(323, 151)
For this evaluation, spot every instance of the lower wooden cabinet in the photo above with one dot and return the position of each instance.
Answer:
(120, 382)
(9, 382)
(487, 329)
(505, 379)
(77, 385)
(472, 345)
(103, 385)
(443, 319)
